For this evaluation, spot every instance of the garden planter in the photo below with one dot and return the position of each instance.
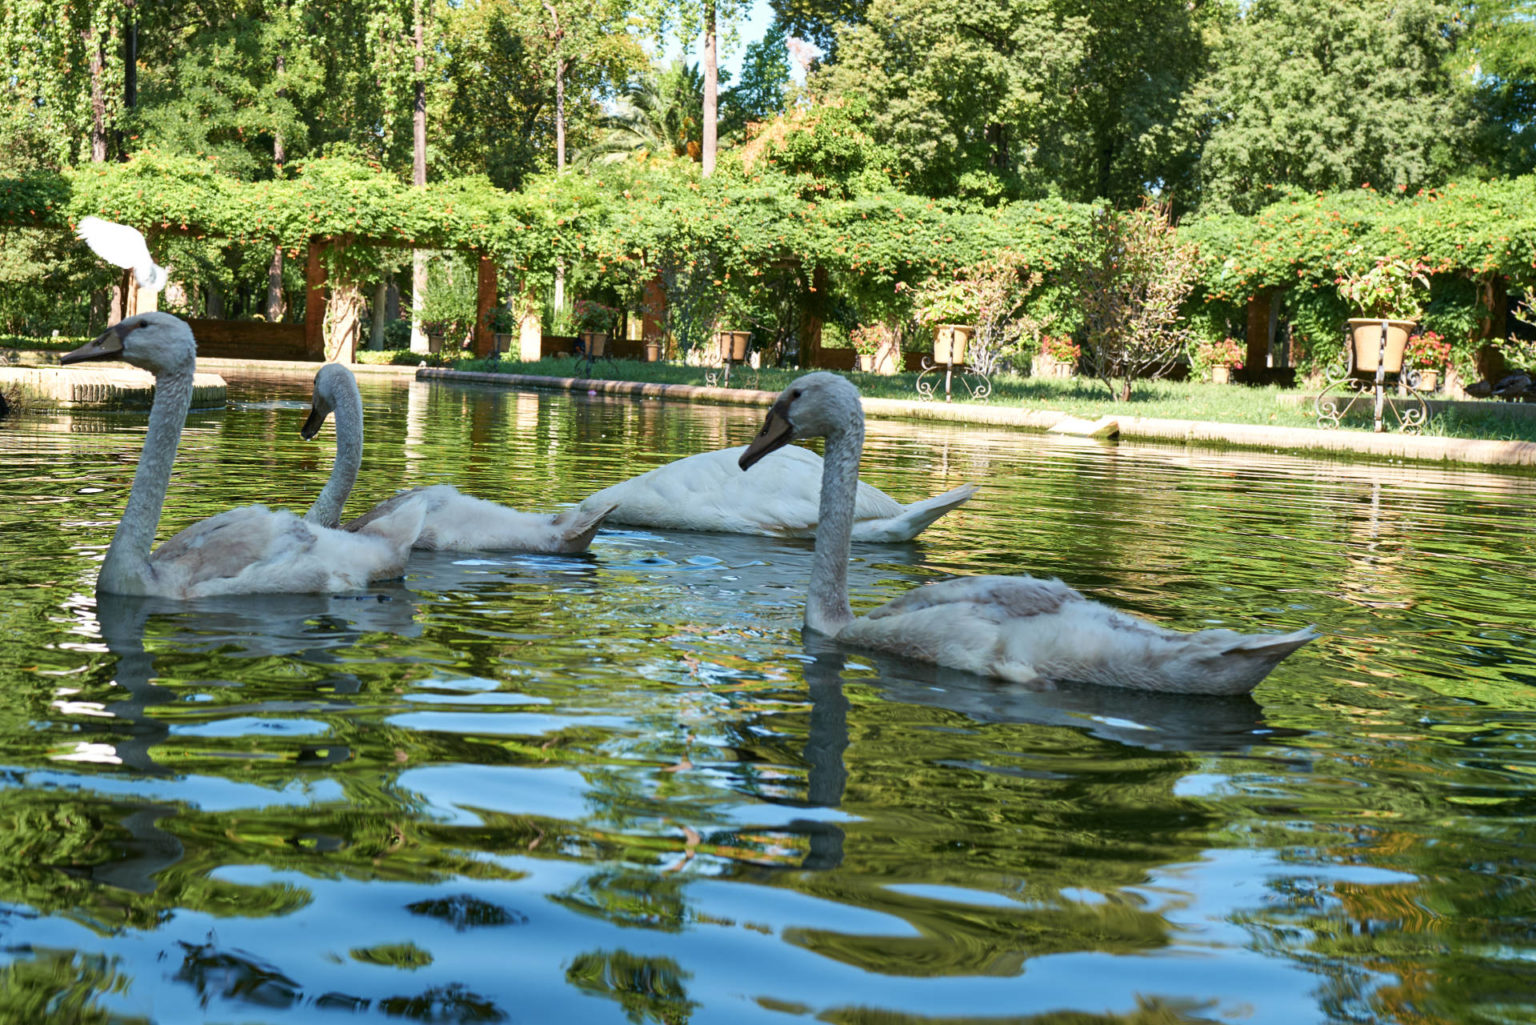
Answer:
(502, 341)
(434, 341)
(1367, 342)
(732, 345)
(869, 362)
(653, 351)
(1221, 375)
(1049, 366)
(594, 343)
(1429, 380)
(949, 342)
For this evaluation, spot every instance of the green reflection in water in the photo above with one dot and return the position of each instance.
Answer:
(626, 774)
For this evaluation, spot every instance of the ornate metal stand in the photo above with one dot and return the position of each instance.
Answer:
(972, 380)
(1345, 390)
(721, 378)
(584, 356)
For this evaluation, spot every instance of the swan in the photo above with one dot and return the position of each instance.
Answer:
(1017, 628)
(123, 246)
(452, 521)
(247, 550)
(709, 492)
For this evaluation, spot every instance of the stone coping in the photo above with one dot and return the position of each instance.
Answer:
(1341, 443)
(293, 366)
(107, 386)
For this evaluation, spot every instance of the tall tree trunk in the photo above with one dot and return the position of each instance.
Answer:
(275, 305)
(419, 179)
(556, 33)
(376, 325)
(93, 45)
(711, 89)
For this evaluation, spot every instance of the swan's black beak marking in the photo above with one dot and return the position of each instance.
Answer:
(776, 433)
(107, 345)
(312, 423)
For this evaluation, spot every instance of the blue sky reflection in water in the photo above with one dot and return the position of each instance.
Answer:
(620, 787)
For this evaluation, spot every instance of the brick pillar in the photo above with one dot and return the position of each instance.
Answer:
(314, 303)
(811, 319)
(1257, 357)
(653, 309)
(485, 298)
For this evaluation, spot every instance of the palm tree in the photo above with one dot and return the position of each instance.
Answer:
(659, 115)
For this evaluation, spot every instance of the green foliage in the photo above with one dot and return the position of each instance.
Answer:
(1329, 95)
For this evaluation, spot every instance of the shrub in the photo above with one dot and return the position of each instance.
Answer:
(1131, 292)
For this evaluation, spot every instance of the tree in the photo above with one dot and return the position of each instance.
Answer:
(1497, 56)
(961, 90)
(1330, 94)
(689, 18)
(760, 93)
(660, 113)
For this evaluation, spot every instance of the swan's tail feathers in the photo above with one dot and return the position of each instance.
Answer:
(398, 528)
(915, 518)
(576, 527)
(1272, 647)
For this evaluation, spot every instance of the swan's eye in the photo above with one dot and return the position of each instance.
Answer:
(795, 394)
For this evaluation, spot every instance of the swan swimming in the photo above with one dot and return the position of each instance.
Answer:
(452, 521)
(123, 246)
(247, 550)
(708, 491)
(1017, 628)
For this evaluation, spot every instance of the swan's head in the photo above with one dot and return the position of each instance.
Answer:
(816, 405)
(156, 342)
(332, 382)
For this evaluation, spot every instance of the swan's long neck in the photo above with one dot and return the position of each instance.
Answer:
(349, 456)
(826, 609)
(126, 566)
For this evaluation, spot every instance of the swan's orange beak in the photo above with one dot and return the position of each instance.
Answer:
(107, 345)
(776, 433)
(312, 423)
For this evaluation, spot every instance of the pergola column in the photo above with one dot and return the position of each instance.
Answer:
(485, 298)
(1257, 358)
(314, 302)
(811, 320)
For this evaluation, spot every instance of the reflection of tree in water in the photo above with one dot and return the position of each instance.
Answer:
(649, 989)
(60, 986)
(1149, 1011)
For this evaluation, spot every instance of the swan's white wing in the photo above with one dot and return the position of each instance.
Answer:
(780, 496)
(455, 522)
(122, 246)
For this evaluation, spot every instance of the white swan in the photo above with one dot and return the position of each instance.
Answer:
(452, 521)
(243, 551)
(1014, 627)
(708, 491)
(123, 246)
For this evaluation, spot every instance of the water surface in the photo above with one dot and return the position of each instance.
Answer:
(620, 786)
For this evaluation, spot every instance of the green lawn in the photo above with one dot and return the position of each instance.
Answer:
(1179, 400)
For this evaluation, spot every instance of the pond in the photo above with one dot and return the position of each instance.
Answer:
(620, 786)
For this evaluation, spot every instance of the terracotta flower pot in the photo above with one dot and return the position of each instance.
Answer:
(1429, 380)
(949, 342)
(1367, 342)
(1221, 375)
(595, 343)
(732, 345)
(653, 351)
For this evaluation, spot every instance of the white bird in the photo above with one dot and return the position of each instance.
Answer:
(452, 521)
(122, 246)
(708, 491)
(248, 550)
(1014, 627)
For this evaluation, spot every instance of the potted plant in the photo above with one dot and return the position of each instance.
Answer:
(652, 349)
(874, 345)
(732, 345)
(1389, 293)
(594, 322)
(948, 308)
(1429, 354)
(1057, 357)
(1218, 359)
(502, 325)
